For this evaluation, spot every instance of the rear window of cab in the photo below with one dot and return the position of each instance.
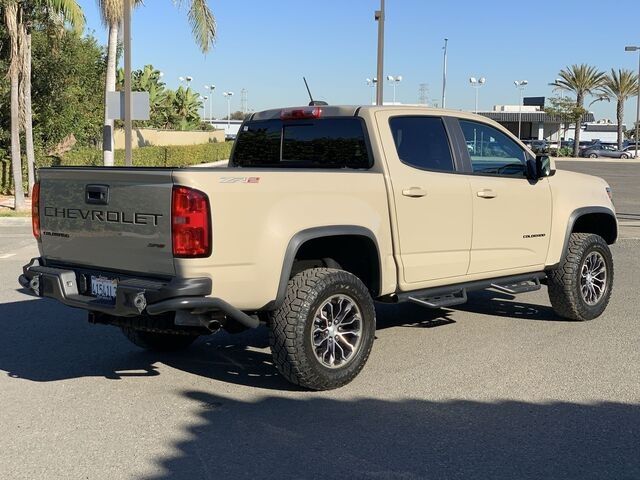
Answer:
(338, 142)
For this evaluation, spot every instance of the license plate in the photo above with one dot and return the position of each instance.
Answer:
(104, 288)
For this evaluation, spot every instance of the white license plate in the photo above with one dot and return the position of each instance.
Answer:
(104, 288)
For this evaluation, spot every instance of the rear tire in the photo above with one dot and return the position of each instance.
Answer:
(593, 155)
(580, 287)
(624, 156)
(323, 333)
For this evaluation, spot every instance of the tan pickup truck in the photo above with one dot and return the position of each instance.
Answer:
(321, 211)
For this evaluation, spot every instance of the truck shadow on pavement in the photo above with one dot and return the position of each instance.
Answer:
(44, 341)
(320, 437)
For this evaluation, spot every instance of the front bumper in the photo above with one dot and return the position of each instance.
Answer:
(134, 296)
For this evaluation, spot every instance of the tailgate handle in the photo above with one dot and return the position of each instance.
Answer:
(97, 194)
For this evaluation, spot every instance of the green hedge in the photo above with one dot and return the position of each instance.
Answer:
(174, 156)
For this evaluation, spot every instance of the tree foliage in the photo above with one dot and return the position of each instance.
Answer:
(582, 80)
(68, 74)
(620, 85)
(170, 109)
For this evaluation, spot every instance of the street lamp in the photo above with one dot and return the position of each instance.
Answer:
(204, 106)
(558, 86)
(477, 83)
(186, 79)
(395, 80)
(211, 89)
(520, 84)
(228, 96)
(372, 83)
(636, 48)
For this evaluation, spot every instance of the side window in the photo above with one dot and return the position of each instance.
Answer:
(491, 151)
(422, 142)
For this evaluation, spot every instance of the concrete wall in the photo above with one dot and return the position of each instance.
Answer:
(143, 137)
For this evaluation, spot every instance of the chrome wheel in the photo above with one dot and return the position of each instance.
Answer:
(336, 331)
(593, 278)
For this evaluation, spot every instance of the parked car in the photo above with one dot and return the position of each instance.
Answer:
(604, 151)
(633, 151)
(320, 211)
(538, 146)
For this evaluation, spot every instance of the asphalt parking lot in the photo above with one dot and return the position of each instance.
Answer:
(498, 388)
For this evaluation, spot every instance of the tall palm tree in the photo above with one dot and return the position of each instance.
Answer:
(621, 85)
(19, 19)
(52, 14)
(582, 80)
(12, 23)
(203, 26)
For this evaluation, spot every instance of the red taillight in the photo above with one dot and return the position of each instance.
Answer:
(190, 223)
(300, 113)
(35, 210)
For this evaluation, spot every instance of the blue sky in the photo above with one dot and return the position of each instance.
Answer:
(266, 47)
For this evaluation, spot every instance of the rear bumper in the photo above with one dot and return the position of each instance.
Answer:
(134, 296)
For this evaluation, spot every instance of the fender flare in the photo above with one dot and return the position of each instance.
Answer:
(310, 234)
(580, 212)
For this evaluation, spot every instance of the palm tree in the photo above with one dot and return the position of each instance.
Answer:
(19, 18)
(12, 22)
(52, 14)
(203, 26)
(621, 85)
(582, 80)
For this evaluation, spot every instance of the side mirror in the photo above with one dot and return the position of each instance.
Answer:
(543, 166)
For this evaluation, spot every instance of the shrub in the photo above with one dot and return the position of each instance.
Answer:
(172, 156)
(175, 156)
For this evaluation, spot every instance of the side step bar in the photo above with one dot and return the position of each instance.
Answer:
(441, 301)
(518, 287)
(440, 297)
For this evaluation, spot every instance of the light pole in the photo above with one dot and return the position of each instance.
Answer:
(372, 82)
(204, 106)
(477, 83)
(636, 48)
(186, 80)
(394, 83)
(380, 18)
(128, 123)
(211, 89)
(228, 96)
(558, 86)
(444, 74)
(520, 84)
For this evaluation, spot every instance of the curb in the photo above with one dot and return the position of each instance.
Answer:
(631, 161)
(14, 221)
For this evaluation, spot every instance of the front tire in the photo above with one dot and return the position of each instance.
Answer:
(322, 335)
(593, 155)
(580, 287)
(624, 156)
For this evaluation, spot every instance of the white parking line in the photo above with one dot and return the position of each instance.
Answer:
(7, 255)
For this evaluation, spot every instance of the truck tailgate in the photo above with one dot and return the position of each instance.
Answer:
(116, 219)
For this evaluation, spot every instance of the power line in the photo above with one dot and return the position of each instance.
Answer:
(244, 102)
(423, 94)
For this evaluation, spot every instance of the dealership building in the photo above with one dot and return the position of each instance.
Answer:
(538, 125)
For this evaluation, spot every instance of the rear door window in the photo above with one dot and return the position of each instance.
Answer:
(320, 143)
(422, 142)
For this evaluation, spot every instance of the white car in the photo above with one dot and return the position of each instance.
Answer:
(634, 151)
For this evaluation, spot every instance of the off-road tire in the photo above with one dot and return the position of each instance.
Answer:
(290, 329)
(141, 334)
(564, 281)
